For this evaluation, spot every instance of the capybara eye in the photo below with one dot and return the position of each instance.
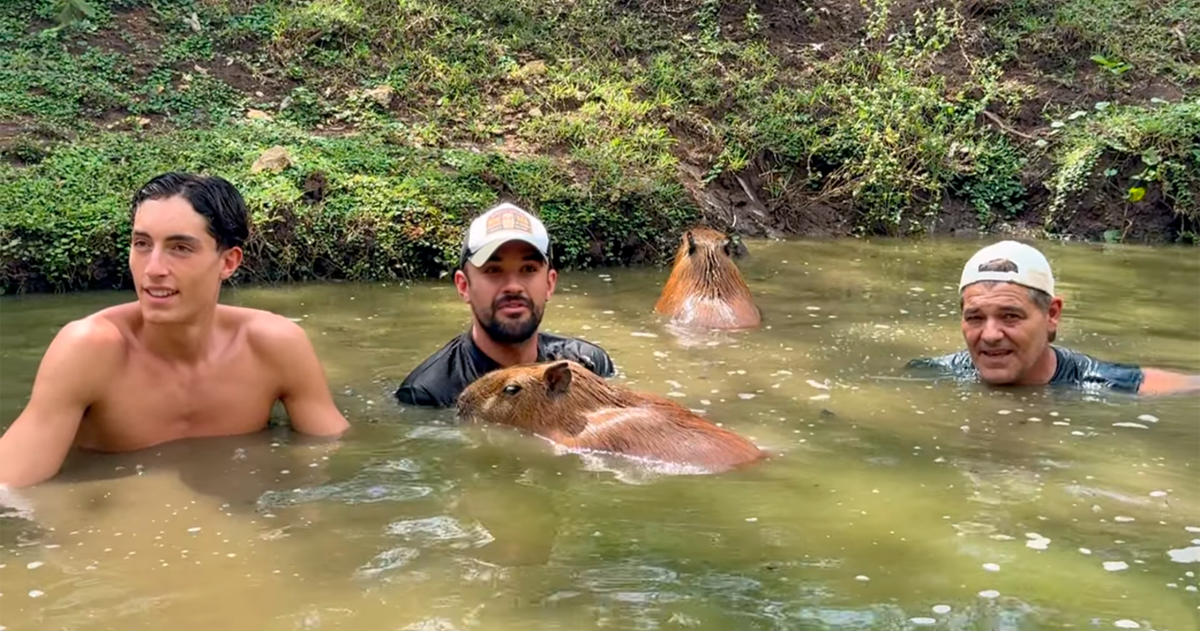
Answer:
(512, 389)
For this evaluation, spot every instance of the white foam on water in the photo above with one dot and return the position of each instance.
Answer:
(746, 395)
(1137, 425)
(818, 397)
(817, 384)
(991, 567)
(862, 577)
(1004, 412)
(989, 593)
(941, 609)
(1115, 566)
(1036, 541)
(1192, 528)
(1122, 518)
(1158, 493)
(1149, 418)
(1126, 624)
(1185, 555)
(923, 622)
(34, 565)
(36, 593)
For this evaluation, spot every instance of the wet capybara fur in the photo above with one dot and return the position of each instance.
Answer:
(706, 289)
(569, 405)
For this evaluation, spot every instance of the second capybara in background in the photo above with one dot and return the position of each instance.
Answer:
(569, 405)
(706, 289)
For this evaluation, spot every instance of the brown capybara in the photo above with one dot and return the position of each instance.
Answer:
(569, 405)
(705, 289)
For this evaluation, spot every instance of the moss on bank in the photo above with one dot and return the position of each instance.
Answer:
(619, 121)
(345, 207)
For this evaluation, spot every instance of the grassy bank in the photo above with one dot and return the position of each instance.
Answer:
(621, 122)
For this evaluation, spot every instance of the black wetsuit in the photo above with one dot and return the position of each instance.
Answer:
(1073, 369)
(438, 380)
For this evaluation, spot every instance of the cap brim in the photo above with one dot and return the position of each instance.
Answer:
(486, 251)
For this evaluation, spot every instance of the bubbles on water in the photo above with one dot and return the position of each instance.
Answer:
(1149, 418)
(941, 609)
(1127, 424)
(1115, 566)
(386, 561)
(1158, 493)
(1126, 624)
(923, 622)
(1123, 518)
(1192, 528)
(34, 565)
(862, 577)
(441, 529)
(36, 593)
(989, 593)
(991, 567)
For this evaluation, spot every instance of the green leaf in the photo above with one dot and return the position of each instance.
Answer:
(1136, 194)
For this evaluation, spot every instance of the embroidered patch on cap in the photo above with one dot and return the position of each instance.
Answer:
(508, 220)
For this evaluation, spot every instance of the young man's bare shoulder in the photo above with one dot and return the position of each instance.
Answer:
(266, 331)
(99, 340)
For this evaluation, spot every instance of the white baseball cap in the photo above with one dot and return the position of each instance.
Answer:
(499, 225)
(1032, 268)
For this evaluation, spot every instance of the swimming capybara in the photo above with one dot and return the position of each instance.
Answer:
(569, 405)
(705, 289)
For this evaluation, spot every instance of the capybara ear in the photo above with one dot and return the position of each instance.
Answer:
(691, 241)
(558, 378)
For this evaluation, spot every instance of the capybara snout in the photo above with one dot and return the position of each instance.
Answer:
(567, 404)
(705, 288)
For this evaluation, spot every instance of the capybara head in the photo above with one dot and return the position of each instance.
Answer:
(537, 397)
(705, 287)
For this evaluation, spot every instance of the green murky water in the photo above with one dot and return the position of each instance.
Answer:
(890, 502)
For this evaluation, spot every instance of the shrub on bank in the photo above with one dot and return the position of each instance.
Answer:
(354, 207)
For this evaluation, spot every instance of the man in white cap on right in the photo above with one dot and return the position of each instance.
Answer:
(1010, 318)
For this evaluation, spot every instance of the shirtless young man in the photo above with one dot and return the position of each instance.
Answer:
(1010, 316)
(174, 364)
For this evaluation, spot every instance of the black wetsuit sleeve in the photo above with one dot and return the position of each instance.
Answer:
(1087, 371)
(584, 353)
(411, 394)
(958, 363)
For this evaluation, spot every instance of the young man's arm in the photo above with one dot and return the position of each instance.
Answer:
(71, 375)
(1158, 381)
(305, 390)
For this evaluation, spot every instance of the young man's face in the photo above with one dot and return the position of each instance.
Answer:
(508, 294)
(1005, 331)
(176, 266)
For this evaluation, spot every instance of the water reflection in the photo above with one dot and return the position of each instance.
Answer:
(891, 501)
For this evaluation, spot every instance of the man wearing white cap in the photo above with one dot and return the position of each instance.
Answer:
(506, 275)
(1009, 319)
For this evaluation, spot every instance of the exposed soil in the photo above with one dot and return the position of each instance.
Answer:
(748, 202)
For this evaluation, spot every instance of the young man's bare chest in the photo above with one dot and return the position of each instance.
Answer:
(150, 401)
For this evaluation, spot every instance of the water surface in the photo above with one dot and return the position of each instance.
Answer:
(890, 502)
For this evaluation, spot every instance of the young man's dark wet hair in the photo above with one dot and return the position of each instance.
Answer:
(214, 197)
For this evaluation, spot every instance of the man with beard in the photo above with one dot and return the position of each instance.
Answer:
(505, 274)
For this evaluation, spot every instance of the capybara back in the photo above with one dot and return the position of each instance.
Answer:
(571, 406)
(705, 288)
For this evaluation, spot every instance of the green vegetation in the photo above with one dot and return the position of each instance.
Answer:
(402, 118)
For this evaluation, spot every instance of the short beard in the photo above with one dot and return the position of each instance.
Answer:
(510, 332)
